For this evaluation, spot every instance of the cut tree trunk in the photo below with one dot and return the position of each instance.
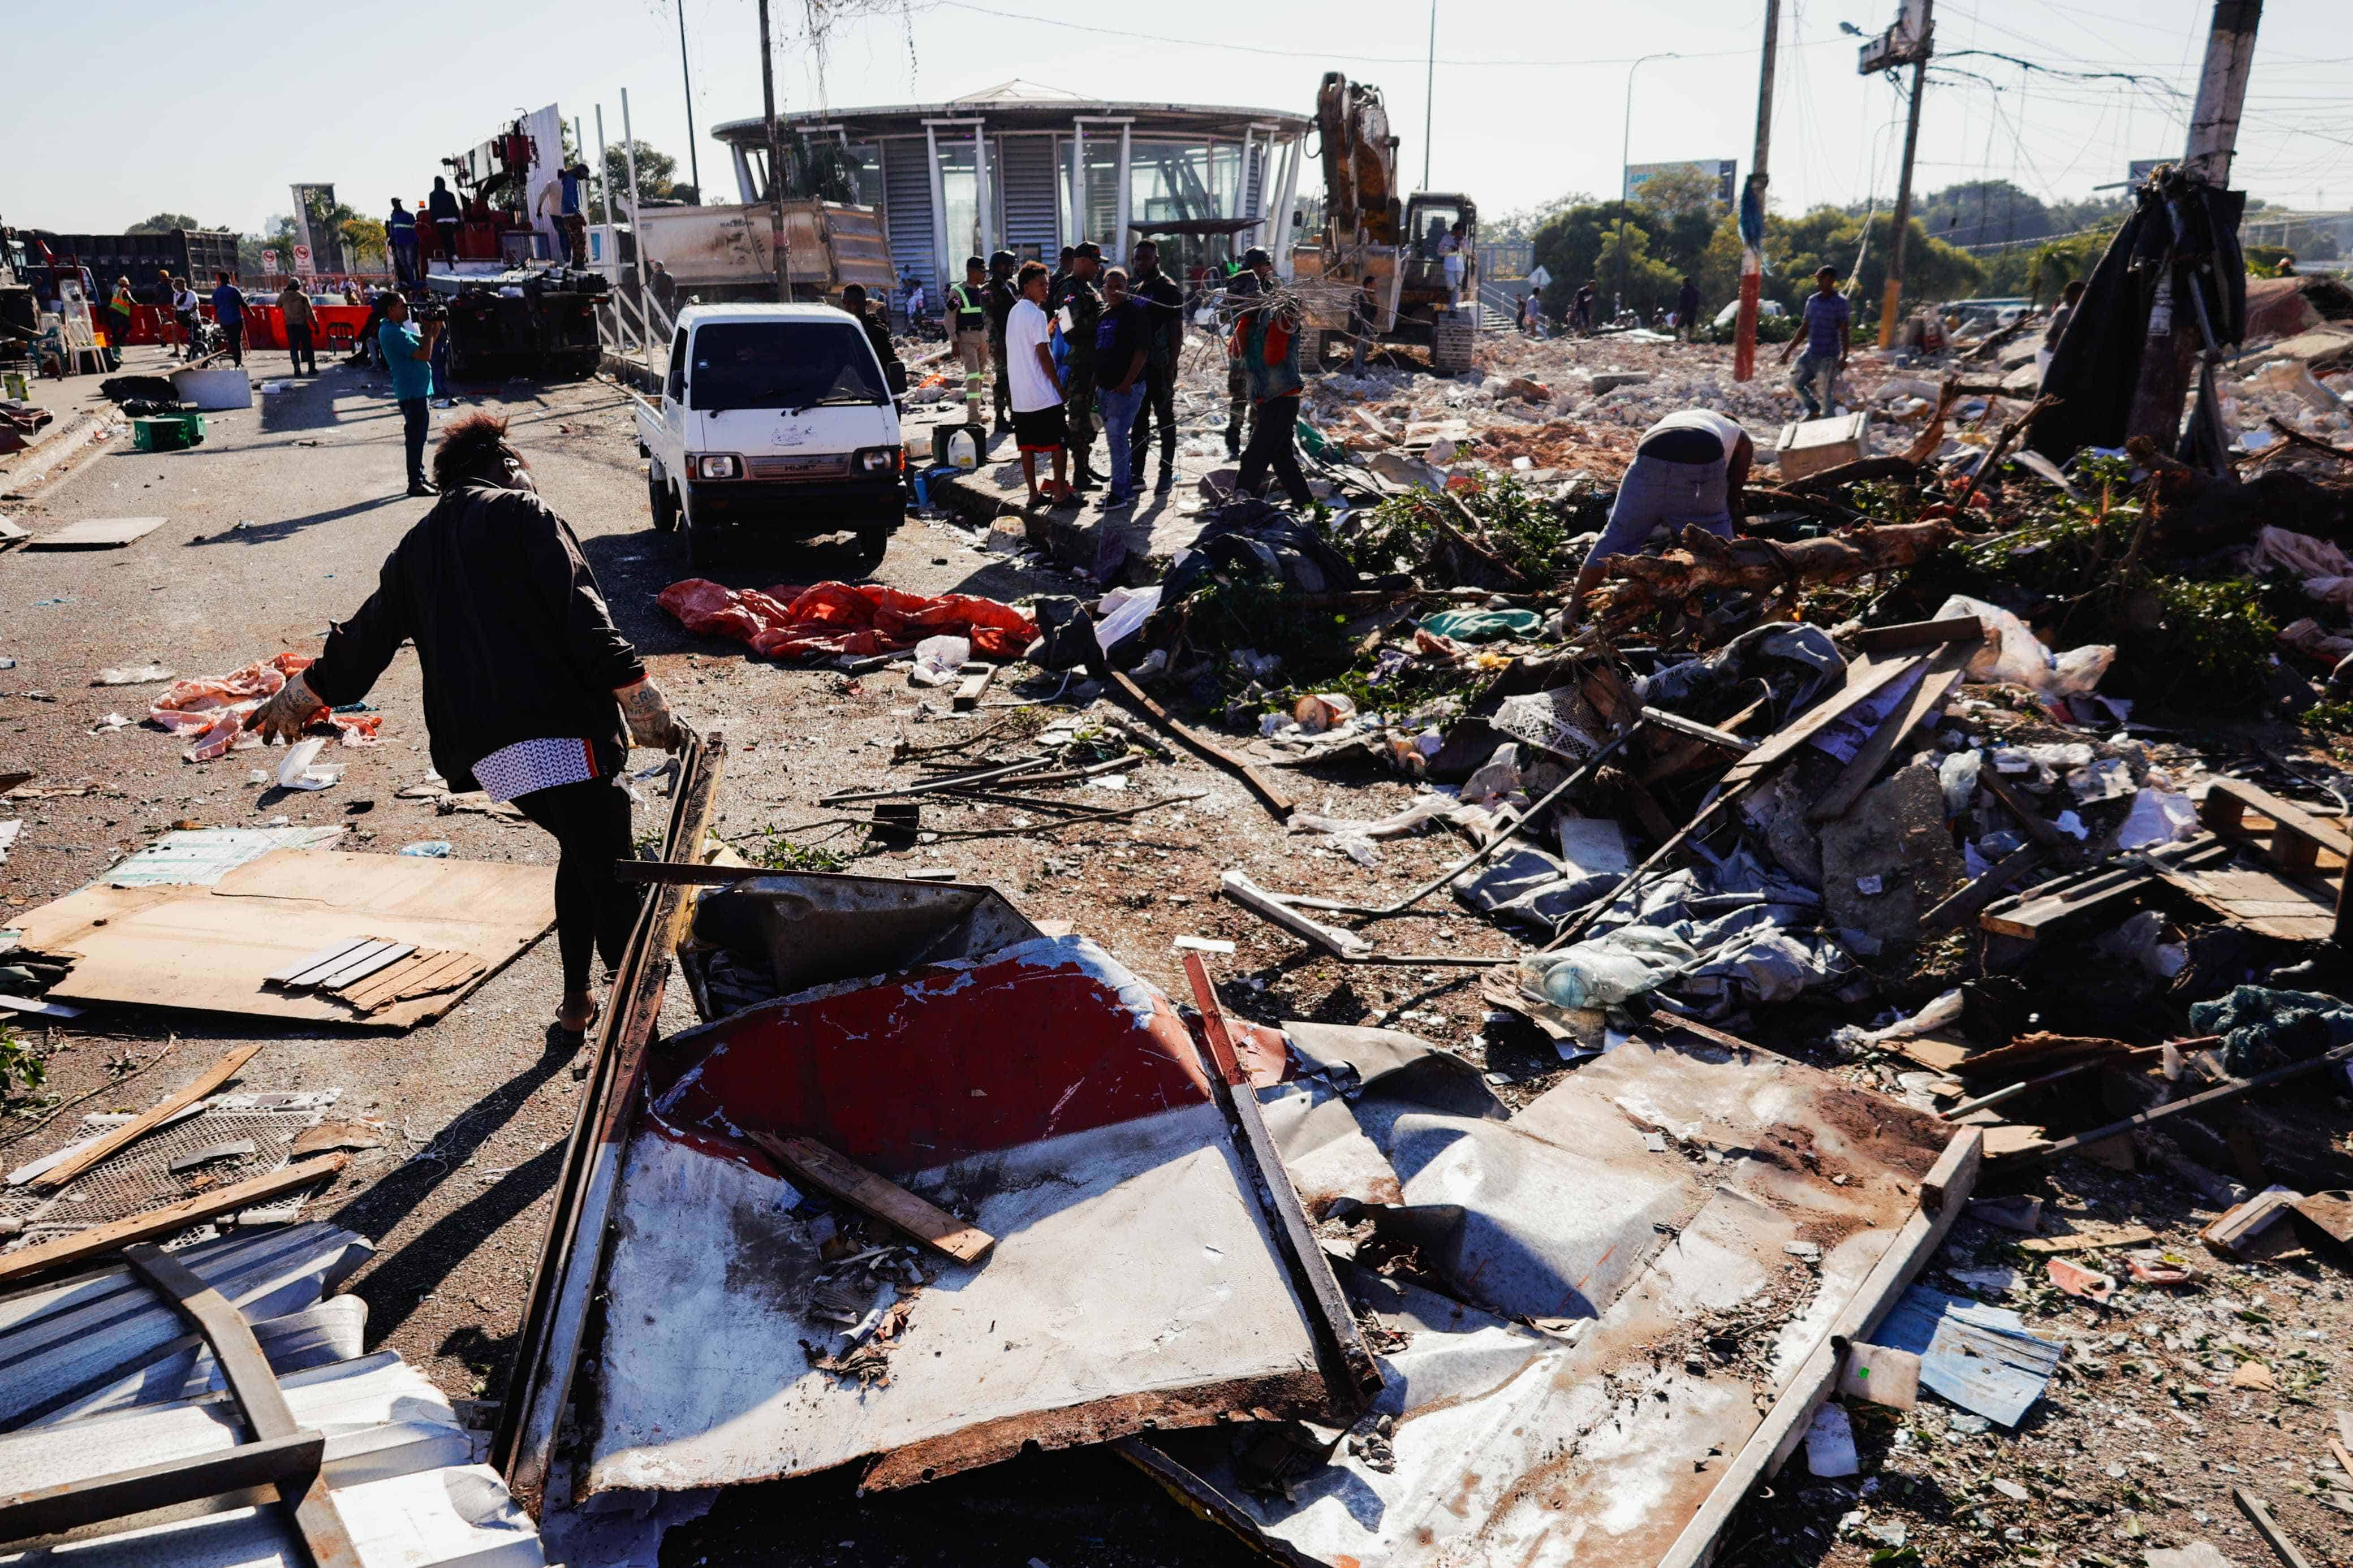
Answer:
(1701, 562)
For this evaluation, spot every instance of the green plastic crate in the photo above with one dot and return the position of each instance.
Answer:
(168, 432)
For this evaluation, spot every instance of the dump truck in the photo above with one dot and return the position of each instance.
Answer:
(1370, 232)
(724, 253)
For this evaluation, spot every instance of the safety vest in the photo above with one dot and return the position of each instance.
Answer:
(971, 312)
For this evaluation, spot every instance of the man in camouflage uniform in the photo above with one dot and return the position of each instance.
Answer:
(1001, 296)
(1085, 305)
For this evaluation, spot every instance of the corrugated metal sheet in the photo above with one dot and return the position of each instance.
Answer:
(1043, 1092)
(1029, 193)
(1982, 1358)
(1595, 1443)
(138, 1396)
(907, 207)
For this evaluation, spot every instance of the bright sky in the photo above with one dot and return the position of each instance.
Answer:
(1529, 100)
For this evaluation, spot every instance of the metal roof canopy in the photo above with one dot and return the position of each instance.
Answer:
(1148, 1270)
(1020, 113)
(1198, 225)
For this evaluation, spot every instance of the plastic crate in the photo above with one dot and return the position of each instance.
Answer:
(168, 433)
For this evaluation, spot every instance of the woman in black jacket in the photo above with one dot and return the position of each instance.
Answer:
(528, 685)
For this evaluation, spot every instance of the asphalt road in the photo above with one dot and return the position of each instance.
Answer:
(276, 526)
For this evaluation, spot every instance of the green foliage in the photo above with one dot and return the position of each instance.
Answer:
(655, 172)
(1522, 528)
(163, 223)
(2213, 644)
(779, 853)
(21, 1071)
(2329, 718)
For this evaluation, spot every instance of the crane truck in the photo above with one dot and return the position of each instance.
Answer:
(1370, 232)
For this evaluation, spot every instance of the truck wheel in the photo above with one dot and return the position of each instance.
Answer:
(873, 542)
(664, 503)
(703, 548)
(1451, 338)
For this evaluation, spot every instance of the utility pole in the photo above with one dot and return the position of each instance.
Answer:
(2170, 352)
(1752, 248)
(693, 160)
(775, 162)
(638, 237)
(1892, 300)
(1429, 96)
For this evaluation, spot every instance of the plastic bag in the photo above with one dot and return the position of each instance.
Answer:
(1607, 969)
(2158, 816)
(2016, 656)
(1956, 775)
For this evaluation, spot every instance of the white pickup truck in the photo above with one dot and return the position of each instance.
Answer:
(775, 423)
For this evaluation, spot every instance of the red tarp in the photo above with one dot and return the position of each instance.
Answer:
(844, 618)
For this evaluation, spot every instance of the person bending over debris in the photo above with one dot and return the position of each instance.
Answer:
(527, 683)
(1266, 345)
(1038, 423)
(1688, 469)
(2064, 313)
(1824, 331)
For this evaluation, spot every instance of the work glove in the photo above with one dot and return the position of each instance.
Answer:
(647, 714)
(286, 714)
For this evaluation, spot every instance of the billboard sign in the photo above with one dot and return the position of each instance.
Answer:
(1724, 171)
(314, 228)
(1910, 39)
(2140, 169)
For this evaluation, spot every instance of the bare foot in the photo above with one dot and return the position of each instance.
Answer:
(578, 1011)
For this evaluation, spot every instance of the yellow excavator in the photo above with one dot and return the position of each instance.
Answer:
(1401, 244)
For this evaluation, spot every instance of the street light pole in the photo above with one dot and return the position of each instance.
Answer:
(775, 162)
(693, 159)
(1752, 256)
(1625, 152)
(1429, 96)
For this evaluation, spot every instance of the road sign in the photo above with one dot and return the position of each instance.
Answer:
(302, 259)
(269, 264)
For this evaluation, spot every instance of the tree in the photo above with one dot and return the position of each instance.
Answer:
(163, 223)
(365, 237)
(1523, 223)
(654, 171)
(1681, 191)
(1624, 264)
(1984, 212)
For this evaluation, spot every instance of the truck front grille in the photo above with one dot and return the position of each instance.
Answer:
(832, 466)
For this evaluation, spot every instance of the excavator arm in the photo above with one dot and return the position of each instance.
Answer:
(1360, 189)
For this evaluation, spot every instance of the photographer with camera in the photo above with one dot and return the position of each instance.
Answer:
(408, 355)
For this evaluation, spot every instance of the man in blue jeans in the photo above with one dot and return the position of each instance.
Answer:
(1120, 355)
(408, 355)
(228, 311)
(1824, 334)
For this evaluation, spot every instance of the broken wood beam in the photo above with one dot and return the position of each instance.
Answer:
(1785, 1423)
(2259, 1514)
(1974, 899)
(1277, 800)
(108, 1144)
(976, 674)
(170, 1219)
(2010, 434)
(1700, 561)
(877, 1196)
(1910, 635)
(1926, 698)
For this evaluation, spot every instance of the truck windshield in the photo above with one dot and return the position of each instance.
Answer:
(783, 364)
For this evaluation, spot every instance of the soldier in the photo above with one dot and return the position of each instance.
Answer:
(968, 331)
(1000, 298)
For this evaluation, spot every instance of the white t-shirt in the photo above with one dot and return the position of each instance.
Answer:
(1026, 330)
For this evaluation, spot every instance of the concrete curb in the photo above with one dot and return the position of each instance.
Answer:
(39, 465)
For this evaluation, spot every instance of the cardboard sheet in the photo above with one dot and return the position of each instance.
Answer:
(209, 948)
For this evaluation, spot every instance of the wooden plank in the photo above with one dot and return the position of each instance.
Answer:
(97, 533)
(2259, 1514)
(976, 675)
(1973, 900)
(131, 1132)
(1793, 1411)
(877, 1196)
(313, 977)
(98, 1241)
(2227, 800)
(1875, 751)
(1348, 1365)
(1921, 634)
(1957, 1167)
(1863, 678)
(2037, 828)
(361, 966)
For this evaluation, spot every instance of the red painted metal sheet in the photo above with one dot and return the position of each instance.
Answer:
(949, 1061)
